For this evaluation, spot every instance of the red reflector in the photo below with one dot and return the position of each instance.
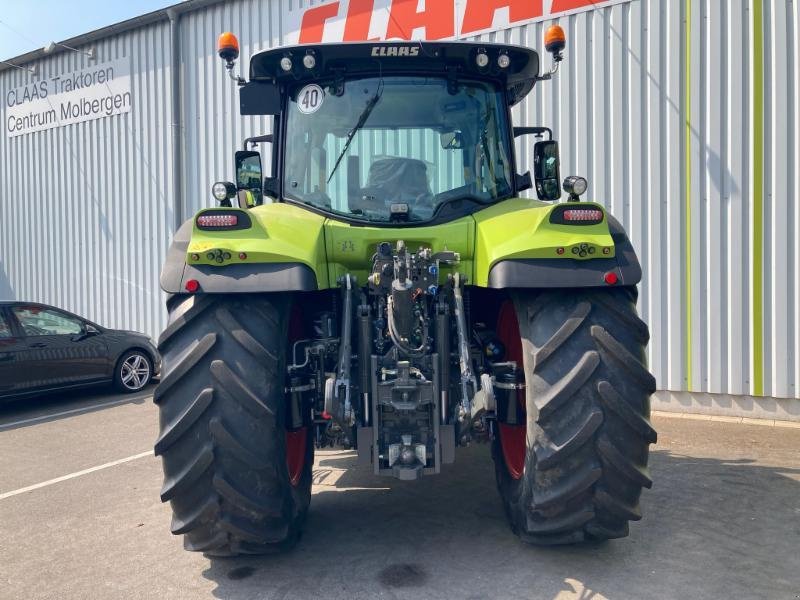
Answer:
(192, 286)
(583, 214)
(559, 251)
(242, 256)
(212, 220)
(610, 278)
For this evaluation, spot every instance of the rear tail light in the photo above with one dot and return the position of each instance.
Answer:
(576, 214)
(212, 220)
(610, 278)
(583, 214)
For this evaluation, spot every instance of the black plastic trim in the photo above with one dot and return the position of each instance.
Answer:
(567, 272)
(250, 278)
(172, 271)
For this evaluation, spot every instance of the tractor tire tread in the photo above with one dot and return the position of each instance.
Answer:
(222, 403)
(183, 366)
(588, 409)
(195, 518)
(182, 423)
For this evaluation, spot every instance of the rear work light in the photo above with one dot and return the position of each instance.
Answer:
(212, 220)
(583, 214)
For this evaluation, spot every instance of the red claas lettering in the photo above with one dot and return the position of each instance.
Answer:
(480, 13)
(565, 5)
(359, 18)
(312, 27)
(438, 19)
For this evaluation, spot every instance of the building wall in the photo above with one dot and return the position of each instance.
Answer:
(681, 113)
(85, 212)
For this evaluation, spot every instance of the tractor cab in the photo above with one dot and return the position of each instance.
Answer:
(391, 133)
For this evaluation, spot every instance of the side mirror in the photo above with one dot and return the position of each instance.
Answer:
(249, 178)
(546, 170)
(452, 140)
(86, 331)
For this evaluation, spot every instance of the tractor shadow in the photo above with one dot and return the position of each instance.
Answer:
(712, 528)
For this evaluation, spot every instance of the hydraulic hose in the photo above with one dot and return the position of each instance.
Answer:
(401, 345)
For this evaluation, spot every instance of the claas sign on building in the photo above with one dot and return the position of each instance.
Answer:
(363, 20)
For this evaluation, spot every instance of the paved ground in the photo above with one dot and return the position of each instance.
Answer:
(723, 521)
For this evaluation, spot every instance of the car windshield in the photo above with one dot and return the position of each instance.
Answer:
(395, 148)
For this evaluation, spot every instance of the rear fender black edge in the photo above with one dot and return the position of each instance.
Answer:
(567, 272)
(241, 278)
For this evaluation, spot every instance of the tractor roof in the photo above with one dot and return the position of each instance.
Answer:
(443, 59)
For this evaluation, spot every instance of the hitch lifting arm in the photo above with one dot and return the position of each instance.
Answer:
(468, 382)
(337, 391)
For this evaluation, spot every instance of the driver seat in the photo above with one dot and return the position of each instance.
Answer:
(395, 179)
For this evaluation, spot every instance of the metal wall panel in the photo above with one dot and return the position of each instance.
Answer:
(659, 104)
(85, 213)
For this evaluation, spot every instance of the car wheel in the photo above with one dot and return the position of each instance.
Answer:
(133, 371)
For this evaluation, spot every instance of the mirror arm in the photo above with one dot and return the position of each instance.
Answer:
(537, 131)
(257, 139)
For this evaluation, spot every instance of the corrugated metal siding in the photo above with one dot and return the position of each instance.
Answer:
(619, 108)
(663, 125)
(85, 213)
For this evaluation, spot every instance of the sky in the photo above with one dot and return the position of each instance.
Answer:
(27, 25)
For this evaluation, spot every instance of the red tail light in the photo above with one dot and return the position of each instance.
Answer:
(217, 220)
(583, 214)
(610, 278)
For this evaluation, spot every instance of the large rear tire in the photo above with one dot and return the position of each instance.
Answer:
(223, 436)
(575, 467)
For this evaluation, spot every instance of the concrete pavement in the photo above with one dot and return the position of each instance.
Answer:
(723, 521)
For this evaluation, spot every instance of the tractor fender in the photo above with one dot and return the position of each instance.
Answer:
(561, 273)
(242, 278)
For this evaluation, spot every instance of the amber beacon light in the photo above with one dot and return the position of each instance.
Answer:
(228, 47)
(555, 40)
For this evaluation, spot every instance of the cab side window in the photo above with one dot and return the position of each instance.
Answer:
(5, 328)
(41, 321)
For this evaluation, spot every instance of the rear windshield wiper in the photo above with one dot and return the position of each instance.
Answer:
(362, 119)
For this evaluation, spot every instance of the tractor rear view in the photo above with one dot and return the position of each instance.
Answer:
(383, 286)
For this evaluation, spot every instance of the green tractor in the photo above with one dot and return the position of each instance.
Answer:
(386, 288)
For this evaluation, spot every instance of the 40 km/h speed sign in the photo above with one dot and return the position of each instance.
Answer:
(310, 99)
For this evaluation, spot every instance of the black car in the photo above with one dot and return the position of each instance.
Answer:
(43, 348)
